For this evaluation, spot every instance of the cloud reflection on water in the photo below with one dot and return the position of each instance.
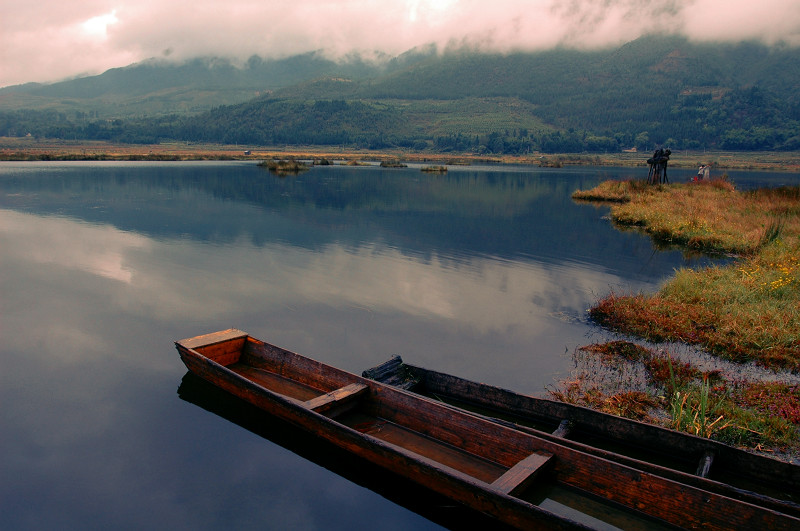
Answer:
(167, 279)
(96, 249)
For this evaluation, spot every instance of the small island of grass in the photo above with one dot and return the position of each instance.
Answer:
(434, 169)
(284, 167)
(392, 164)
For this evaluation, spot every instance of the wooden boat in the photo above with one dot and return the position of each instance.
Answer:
(518, 478)
(686, 458)
(398, 490)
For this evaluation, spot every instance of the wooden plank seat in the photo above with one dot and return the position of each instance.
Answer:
(338, 398)
(519, 476)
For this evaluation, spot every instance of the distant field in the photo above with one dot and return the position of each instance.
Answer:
(28, 148)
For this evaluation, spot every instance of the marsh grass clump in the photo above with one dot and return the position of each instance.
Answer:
(434, 169)
(720, 312)
(613, 191)
(632, 404)
(681, 396)
(701, 217)
(655, 318)
(282, 167)
(709, 216)
(695, 416)
(772, 233)
(620, 349)
(660, 369)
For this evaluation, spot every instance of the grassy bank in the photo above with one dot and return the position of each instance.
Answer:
(747, 311)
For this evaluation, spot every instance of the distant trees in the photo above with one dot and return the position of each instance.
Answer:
(641, 94)
(736, 119)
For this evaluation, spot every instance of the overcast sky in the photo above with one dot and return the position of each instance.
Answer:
(49, 40)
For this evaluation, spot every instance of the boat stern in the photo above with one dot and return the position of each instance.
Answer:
(223, 347)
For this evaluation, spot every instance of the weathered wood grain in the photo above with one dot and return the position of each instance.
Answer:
(674, 455)
(520, 476)
(337, 398)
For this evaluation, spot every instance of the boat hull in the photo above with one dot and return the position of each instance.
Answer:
(483, 465)
(679, 456)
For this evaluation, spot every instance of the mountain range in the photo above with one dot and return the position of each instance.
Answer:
(654, 91)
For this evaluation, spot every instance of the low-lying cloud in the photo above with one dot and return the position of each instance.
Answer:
(49, 40)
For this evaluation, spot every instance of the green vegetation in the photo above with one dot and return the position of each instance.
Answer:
(708, 216)
(652, 91)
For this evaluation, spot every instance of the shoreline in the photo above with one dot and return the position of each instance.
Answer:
(30, 149)
(744, 313)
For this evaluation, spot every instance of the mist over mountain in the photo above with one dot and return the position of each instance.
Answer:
(51, 40)
(158, 86)
(656, 90)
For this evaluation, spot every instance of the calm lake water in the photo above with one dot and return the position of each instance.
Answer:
(486, 272)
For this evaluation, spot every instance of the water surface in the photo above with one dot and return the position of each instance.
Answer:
(485, 272)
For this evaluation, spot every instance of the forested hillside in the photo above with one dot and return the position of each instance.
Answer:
(653, 91)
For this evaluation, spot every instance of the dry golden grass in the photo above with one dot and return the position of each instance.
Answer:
(711, 217)
(678, 395)
(746, 311)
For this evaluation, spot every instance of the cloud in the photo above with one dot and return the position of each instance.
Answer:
(48, 40)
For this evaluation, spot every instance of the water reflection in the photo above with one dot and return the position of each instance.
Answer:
(483, 297)
(485, 272)
(68, 244)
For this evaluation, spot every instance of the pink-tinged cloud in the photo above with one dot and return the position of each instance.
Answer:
(50, 40)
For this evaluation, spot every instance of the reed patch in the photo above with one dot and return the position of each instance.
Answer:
(680, 395)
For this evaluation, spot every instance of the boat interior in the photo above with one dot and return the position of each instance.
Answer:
(505, 460)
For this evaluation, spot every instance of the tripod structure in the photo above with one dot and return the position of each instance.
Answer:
(658, 167)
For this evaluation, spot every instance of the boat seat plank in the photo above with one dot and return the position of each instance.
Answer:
(338, 397)
(519, 476)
